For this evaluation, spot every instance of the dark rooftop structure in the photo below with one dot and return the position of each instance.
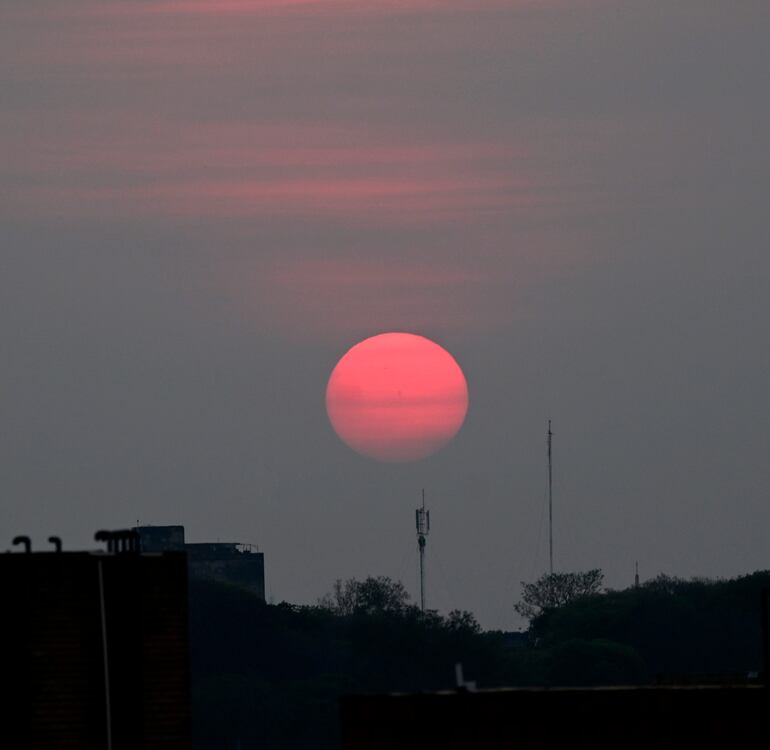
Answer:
(654, 717)
(161, 538)
(95, 648)
(233, 563)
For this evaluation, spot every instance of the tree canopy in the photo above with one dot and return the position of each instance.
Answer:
(373, 595)
(554, 590)
(270, 675)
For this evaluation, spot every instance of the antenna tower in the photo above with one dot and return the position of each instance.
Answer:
(550, 497)
(422, 517)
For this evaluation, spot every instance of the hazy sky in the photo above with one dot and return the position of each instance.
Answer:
(205, 203)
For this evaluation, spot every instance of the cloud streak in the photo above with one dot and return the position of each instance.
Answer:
(249, 7)
(220, 170)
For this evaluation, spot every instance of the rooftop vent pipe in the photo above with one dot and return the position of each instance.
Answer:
(25, 540)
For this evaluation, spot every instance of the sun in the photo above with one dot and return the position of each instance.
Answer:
(397, 397)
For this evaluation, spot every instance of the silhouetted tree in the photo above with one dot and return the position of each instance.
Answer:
(462, 621)
(270, 675)
(380, 595)
(554, 590)
(676, 625)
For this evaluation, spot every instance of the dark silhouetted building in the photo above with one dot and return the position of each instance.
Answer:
(652, 717)
(225, 562)
(95, 650)
(161, 538)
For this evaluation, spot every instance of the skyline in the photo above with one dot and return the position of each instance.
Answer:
(204, 205)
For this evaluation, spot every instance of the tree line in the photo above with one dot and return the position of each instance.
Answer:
(268, 676)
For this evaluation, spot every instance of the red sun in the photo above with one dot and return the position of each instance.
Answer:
(397, 397)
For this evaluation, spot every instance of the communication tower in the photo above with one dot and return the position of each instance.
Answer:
(550, 497)
(422, 517)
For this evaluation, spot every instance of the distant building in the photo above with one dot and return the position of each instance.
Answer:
(161, 538)
(94, 648)
(225, 562)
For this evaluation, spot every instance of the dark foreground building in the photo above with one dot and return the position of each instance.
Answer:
(654, 717)
(224, 562)
(95, 650)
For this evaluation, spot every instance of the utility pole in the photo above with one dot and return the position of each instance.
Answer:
(550, 496)
(422, 517)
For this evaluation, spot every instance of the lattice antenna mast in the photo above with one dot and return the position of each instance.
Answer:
(422, 518)
(550, 496)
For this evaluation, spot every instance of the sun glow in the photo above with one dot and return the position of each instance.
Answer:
(397, 397)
